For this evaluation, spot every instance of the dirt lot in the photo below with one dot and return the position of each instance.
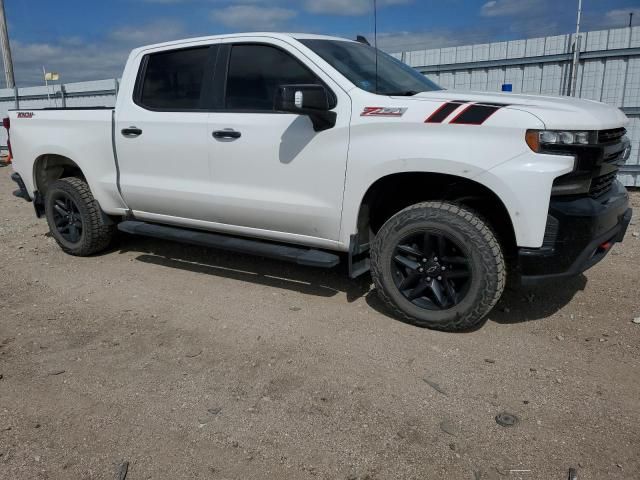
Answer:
(191, 363)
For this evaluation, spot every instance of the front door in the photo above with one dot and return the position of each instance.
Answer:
(271, 171)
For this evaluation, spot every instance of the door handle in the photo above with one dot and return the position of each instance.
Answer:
(131, 132)
(226, 134)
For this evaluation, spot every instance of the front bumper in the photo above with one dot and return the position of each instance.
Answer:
(580, 233)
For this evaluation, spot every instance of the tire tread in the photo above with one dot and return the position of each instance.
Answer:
(473, 225)
(98, 234)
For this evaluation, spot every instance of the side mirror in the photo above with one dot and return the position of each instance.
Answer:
(311, 100)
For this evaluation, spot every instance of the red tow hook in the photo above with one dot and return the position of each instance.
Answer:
(605, 247)
(6, 160)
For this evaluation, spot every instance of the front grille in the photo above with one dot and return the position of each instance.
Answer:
(601, 185)
(608, 136)
(596, 166)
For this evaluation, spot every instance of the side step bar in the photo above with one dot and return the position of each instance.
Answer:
(288, 253)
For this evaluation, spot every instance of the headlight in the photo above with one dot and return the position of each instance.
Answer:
(538, 139)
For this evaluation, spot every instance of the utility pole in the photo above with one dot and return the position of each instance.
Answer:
(576, 53)
(630, 19)
(6, 48)
(46, 81)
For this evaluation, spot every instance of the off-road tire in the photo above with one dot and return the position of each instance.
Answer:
(465, 227)
(97, 231)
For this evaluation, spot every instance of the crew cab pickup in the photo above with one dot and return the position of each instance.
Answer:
(317, 150)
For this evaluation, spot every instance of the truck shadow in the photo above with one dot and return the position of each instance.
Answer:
(523, 304)
(246, 268)
(517, 305)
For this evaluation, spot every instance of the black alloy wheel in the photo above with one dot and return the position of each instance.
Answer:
(431, 270)
(67, 217)
(438, 265)
(75, 219)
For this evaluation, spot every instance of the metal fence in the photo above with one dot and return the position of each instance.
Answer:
(609, 72)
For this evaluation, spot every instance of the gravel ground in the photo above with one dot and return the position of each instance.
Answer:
(194, 363)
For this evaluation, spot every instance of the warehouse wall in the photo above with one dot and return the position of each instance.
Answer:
(609, 72)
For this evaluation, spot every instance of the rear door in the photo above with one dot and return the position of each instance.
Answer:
(161, 134)
(273, 172)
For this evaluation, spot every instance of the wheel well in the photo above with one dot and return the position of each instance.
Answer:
(49, 168)
(393, 193)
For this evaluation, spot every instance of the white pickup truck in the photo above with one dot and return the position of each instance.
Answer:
(314, 150)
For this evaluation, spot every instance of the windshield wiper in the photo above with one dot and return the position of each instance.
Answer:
(406, 93)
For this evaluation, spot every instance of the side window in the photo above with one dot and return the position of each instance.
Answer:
(173, 80)
(256, 72)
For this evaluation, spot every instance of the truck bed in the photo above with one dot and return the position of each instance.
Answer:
(72, 108)
(83, 135)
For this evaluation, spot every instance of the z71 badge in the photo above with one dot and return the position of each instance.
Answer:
(25, 114)
(383, 112)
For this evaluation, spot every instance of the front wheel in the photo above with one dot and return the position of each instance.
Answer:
(75, 218)
(438, 265)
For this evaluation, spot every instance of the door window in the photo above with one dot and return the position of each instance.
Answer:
(255, 73)
(174, 80)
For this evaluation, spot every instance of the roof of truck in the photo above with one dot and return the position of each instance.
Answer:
(282, 36)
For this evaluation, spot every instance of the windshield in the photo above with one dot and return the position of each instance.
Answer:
(357, 62)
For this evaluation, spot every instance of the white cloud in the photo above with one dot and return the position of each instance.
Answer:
(158, 31)
(253, 17)
(620, 17)
(165, 2)
(74, 63)
(79, 60)
(501, 8)
(409, 41)
(326, 7)
(351, 7)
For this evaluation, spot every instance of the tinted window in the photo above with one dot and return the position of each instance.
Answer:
(173, 80)
(357, 62)
(256, 72)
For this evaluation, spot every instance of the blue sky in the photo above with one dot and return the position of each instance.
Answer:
(90, 39)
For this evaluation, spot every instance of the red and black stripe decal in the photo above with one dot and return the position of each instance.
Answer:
(442, 113)
(477, 113)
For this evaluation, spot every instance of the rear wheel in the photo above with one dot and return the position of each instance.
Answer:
(75, 219)
(439, 266)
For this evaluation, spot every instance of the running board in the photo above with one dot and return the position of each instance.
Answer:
(288, 253)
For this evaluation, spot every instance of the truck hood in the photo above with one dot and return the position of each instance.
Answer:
(556, 113)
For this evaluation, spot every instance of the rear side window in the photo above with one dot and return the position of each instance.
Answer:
(174, 80)
(256, 72)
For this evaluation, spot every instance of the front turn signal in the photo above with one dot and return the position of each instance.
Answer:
(533, 140)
